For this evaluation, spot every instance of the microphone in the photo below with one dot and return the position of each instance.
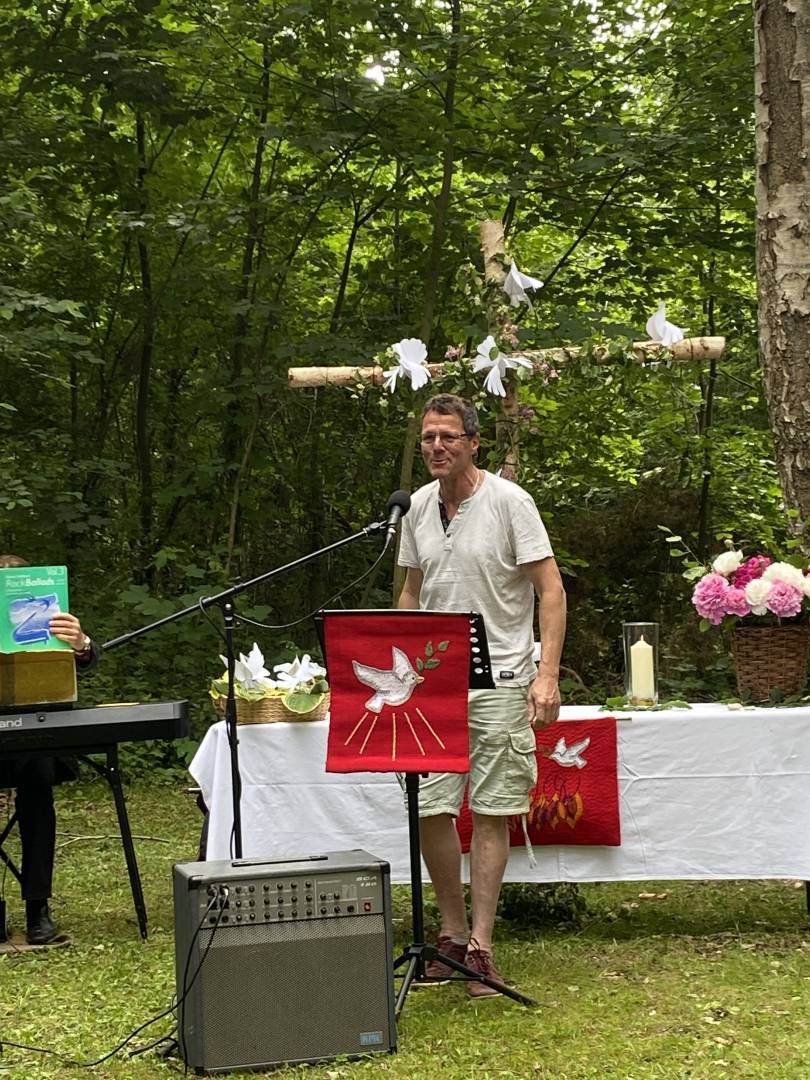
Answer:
(398, 506)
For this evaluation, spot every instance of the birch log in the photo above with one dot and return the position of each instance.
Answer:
(699, 348)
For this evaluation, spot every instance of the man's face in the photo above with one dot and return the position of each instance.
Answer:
(450, 457)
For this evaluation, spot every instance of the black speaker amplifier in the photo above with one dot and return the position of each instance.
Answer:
(281, 961)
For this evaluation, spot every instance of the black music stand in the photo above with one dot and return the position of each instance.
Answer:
(418, 953)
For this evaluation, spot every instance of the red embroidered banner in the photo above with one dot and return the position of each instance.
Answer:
(576, 798)
(398, 683)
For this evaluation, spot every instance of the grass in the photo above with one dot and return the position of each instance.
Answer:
(675, 979)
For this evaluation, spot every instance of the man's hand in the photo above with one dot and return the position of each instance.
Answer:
(543, 701)
(67, 628)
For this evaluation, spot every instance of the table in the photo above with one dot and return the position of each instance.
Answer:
(704, 793)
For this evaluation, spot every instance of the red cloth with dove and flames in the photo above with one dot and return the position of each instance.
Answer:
(398, 682)
(576, 797)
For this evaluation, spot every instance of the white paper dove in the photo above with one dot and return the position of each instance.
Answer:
(250, 672)
(515, 285)
(412, 353)
(660, 330)
(570, 755)
(490, 356)
(298, 672)
(392, 687)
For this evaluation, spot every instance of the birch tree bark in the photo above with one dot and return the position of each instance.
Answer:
(782, 88)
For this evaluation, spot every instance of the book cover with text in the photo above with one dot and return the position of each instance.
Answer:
(30, 596)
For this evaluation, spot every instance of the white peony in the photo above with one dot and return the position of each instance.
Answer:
(782, 571)
(727, 563)
(756, 593)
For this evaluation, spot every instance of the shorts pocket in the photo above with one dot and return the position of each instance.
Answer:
(522, 756)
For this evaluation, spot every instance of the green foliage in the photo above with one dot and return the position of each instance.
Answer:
(192, 201)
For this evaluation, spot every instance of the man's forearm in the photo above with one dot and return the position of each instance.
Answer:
(552, 614)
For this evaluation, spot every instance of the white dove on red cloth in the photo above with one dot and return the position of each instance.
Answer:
(570, 755)
(392, 687)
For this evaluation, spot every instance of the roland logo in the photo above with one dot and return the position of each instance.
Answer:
(5, 724)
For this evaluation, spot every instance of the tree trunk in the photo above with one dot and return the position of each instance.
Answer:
(143, 447)
(782, 82)
(435, 259)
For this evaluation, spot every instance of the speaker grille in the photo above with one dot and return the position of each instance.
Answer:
(279, 992)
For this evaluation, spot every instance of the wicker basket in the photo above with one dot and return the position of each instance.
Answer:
(768, 658)
(270, 711)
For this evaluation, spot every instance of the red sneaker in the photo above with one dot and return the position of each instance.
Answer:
(436, 970)
(481, 961)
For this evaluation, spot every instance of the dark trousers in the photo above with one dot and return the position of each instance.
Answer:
(36, 820)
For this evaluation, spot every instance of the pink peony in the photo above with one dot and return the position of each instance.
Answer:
(736, 603)
(784, 600)
(752, 568)
(711, 598)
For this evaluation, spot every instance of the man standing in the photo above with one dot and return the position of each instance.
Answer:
(475, 542)
(34, 779)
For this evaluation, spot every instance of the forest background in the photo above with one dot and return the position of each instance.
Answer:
(195, 197)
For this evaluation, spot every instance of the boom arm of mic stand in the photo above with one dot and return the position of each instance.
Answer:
(225, 600)
(205, 602)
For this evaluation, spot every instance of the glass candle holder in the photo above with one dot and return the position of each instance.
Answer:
(640, 662)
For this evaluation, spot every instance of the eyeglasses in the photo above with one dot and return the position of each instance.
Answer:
(446, 438)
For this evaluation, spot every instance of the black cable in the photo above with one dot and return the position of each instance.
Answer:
(320, 607)
(186, 990)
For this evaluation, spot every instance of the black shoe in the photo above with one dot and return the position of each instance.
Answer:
(40, 929)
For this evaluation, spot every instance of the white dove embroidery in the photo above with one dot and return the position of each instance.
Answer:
(570, 755)
(392, 687)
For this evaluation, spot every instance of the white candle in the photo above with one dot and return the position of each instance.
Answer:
(642, 675)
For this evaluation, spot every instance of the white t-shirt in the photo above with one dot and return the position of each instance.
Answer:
(475, 566)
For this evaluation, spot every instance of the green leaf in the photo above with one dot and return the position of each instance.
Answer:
(443, 646)
(420, 664)
(298, 702)
(429, 649)
(432, 663)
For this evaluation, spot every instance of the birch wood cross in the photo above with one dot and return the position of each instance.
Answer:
(493, 247)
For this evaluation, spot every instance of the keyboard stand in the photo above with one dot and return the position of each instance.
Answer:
(4, 856)
(112, 774)
(109, 769)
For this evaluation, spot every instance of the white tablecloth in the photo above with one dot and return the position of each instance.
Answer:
(704, 793)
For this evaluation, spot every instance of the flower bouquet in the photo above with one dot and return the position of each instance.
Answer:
(767, 603)
(736, 588)
(298, 692)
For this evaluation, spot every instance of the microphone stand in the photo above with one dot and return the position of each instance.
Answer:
(225, 600)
